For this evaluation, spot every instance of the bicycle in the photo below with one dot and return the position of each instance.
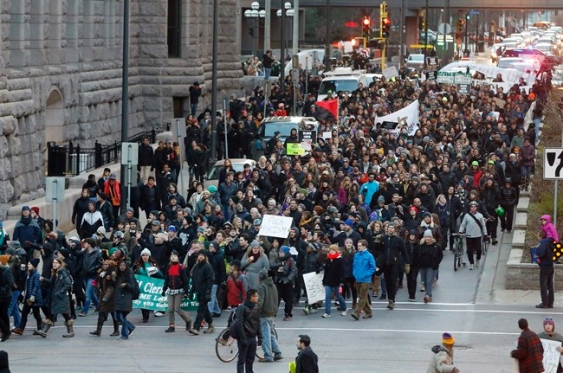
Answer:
(486, 243)
(458, 251)
(226, 347)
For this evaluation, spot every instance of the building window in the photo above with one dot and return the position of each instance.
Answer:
(174, 27)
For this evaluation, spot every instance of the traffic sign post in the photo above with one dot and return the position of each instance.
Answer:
(54, 193)
(553, 170)
(179, 130)
(129, 158)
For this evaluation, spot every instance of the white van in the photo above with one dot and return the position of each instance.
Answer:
(342, 79)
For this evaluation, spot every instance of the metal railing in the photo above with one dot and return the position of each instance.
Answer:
(71, 160)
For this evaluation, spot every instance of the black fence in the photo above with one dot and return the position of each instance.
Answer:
(72, 160)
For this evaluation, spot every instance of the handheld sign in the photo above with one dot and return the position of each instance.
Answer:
(275, 226)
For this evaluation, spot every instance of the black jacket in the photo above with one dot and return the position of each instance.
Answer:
(174, 282)
(91, 262)
(334, 273)
(202, 279)
(393, 249)
(146, 155)
(247, 322)
(307, 361)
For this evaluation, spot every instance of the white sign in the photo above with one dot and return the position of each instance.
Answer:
(275, 226)
(390, 72)
(129, 152)
(553, 164)
(407, 116)
(327, 135)
(55, 189)
(314, 286)
(550, 355)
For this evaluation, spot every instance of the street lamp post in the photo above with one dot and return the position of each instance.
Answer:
(282, 14)
(254, 14)
(125, 93)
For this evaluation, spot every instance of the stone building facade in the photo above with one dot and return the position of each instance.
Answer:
(61, 69)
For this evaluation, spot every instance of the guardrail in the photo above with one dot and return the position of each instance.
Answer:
(71, 160)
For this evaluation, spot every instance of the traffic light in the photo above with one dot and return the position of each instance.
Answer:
(385, 27)
(366, 26)
(420, 23)
(460, 24)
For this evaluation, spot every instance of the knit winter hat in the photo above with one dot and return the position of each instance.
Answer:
(548, 321)
(34, 262)
(448, 339)
(285, 250)
(263, 274)
(146, 252)
(428, 233)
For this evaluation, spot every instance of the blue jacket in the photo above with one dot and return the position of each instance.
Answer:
(33, 288)
(368, 190)
(545, 252)
(364, 266)
(27, 230)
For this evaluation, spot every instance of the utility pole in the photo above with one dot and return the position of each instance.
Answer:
(125, 93)
(213, 155)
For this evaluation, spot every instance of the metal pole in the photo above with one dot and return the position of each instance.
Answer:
(426, 35)
(282, 49)
(447, 21)
(55, 205)
(267, 24)
(295, 41)
(181, 186)
(306, 78)
(555, 203)
(466, 49)
(129, 175)
(327, 36)
(402, 35)
(125, 89)
(213, 155)
(225, 103)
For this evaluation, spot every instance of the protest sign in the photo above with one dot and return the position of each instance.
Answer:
(294, 149)
(406, 116)
(390, 72)
(550, 355)
(314, 286)
(275, 226)
(151, 298)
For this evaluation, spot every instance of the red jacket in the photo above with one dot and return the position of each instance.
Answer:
(113, 192)
(236, 290)
(529, 352)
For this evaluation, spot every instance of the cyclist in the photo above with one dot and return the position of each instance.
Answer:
(473, 224)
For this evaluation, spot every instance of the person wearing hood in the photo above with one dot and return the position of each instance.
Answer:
(27, 231)
(217, 260)
(253, 261)
(332, 278)
(442, 360)
(202, 284)
(547, 226)
(545, 261)
(47, 256)
(268, 306)
(286, 271)
(91, 221)
(125, 284)
(550, 334)
(429, 258)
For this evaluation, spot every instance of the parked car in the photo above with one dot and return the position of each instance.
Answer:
(212, 177)
(415, 61)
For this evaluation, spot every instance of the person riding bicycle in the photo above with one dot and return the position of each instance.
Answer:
(473, 224)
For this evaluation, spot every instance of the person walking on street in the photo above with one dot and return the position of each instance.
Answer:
(529, 352)
(268, 306)
(430, 256)
(307, 360)
(390, 259)
(443, 356)
(176, 285)
(549, 333)
(363, 269)
(286, 271)
(247, 328)
(545, 261)
(6, 286)
(106, 290)
(473, 225)
(91, 258)
(33, 298)
(333, 277)
(202, 283)
(125, 284)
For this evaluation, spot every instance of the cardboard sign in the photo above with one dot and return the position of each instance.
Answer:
(327, 135)
(551, 356)
(151, 298)
(295, 149)
(390, 72)
(275, 226)
(314, 286)
(310, 136)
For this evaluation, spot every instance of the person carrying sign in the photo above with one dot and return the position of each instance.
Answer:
(550, 334)
(176, 286)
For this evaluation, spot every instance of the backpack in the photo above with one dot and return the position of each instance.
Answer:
(136, 290)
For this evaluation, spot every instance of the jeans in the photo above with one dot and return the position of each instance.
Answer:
(246, 355)
(13, 309)
(193, 108)
(269, 342)
(267, 73)
(546, 285)
(427, 275)
(91, 295)
(363, 289)
(126, 326)
(213, 304)
(328, 296)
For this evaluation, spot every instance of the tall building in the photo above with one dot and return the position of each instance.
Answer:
(61, 69)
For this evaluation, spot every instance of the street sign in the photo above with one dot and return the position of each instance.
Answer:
(55, 189)
(444, 28)
(553, 164)
(129, 153)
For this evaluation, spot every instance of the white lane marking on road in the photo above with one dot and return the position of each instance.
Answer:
(429, 309)
(400, 330)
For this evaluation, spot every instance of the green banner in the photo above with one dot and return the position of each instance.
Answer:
(151, 298)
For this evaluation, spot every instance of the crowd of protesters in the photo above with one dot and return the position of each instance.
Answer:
(371, 206)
